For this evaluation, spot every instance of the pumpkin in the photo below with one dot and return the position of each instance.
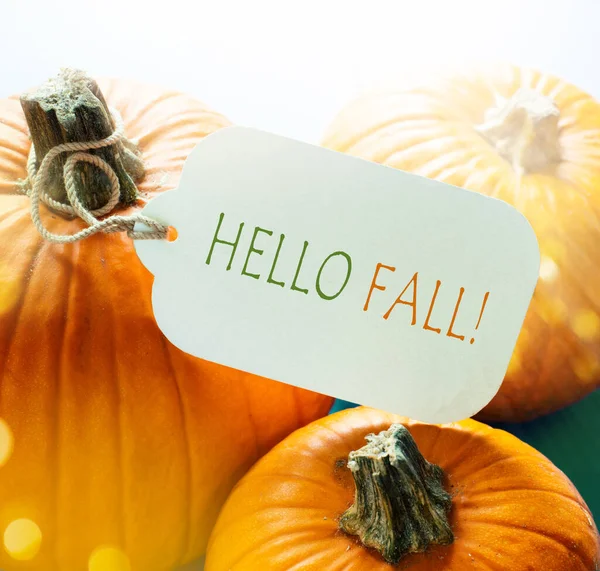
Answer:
(532, 140)
(415, 496)
(116, 449)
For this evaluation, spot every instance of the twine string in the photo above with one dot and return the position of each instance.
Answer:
(38, 177)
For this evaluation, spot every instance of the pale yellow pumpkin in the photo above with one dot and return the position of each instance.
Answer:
(532, 140)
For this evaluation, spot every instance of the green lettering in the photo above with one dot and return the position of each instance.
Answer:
(217, 241)
(270, 278)
(252, 250)
(317, 285)
(298, 270)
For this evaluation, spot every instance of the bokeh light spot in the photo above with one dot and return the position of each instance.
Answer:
(548, 269)
(552, 311)
(9, 290)
(586, 325)
(6, 442)
(554, 249)
(586, 366)
(108, 558)
(515, 364)
(22, 539)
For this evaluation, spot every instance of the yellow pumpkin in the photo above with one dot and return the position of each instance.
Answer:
(532, 140)
(116, 449)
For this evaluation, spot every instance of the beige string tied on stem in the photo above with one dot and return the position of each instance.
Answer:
(37, 178)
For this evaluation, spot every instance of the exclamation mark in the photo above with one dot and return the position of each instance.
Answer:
(485, 298)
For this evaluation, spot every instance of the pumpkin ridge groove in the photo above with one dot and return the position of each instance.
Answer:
(574, 282)
(288, 506)
(9, 214)
(485, 563)
(19, 306)
(148, 107)
(298, 411)
(544, 368)
(577, 189)
(338, 436)
(76, 250)
(13, 152)
(497, 187)
(578, 137)
(162, 131)
(346, 563)
(556, 540)
(435, 443)
(498, 461)
(492, 491)
(285, 476)
(15, 126)
(118, 415)
(449, 467)
(312, 558)
(511, 399)
(184, 429)
(349, 145)
(253, 426)
(307, 531)
(436, 167)
(452, 140)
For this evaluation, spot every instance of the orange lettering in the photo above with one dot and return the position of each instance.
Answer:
(374, 285)
(426, 326)
(412, 303)
(450, 333)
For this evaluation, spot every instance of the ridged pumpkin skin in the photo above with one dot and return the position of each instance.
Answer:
(119, 437)
(512, 509)
(434, 131)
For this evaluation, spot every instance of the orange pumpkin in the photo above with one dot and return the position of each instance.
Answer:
(117, 449)
(477, 498)
(532, 140)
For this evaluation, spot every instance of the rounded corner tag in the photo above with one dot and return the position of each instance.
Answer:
(341, 276)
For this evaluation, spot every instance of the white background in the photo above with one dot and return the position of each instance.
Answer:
(284, 66)
(287, 67)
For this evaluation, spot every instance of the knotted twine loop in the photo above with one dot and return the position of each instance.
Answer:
(37, 178)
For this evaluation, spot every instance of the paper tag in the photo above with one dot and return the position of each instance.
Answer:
(342, 276)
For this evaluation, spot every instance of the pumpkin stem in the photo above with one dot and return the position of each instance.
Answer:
(400, 505)
(71, 108)
(524, 130)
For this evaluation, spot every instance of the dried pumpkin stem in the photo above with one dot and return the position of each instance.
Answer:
(400, 504)
(71, 108)
(525, 130)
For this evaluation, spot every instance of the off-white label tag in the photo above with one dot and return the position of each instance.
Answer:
(342, 276)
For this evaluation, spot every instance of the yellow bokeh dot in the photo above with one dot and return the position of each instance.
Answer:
(554, 249)
(515, 364)
(9, 290)
(6, 442)
(586, 367)
(586, 325)
(108, 559)
(552, 311)
(22, 539)
(548, 269)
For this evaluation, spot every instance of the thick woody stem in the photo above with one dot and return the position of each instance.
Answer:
(71, 108)
(400, 504)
